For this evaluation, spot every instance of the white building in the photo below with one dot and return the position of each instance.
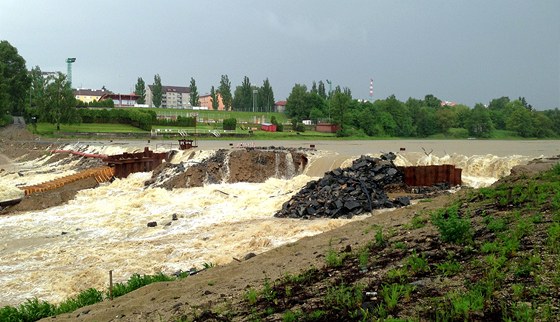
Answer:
(172, 96)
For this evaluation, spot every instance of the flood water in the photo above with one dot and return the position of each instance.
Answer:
(57, 252)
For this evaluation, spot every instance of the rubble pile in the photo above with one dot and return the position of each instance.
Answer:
(343, 193)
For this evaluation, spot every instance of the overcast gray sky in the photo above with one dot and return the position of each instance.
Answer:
(464, 51)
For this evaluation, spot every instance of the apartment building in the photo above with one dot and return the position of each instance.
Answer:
(173, 96)
(206, 101)
(89, 95)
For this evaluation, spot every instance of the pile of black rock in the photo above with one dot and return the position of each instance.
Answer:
(343, 193)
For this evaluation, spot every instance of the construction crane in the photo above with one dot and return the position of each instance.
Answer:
(69, 62)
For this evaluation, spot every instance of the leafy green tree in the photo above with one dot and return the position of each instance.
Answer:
(432, 101)
(317, 106)
(340, 104)
(225, 90)
(314, 89)
(543, 126)
(266, 96)
(296, 104)
(157, 91)
(525, 104)
(37, 89)
(498, 111)
(60, 103)
(426, 122)
(401, 115)
(479, 124)
(321, 90)
(243, 96)
(140, 90)
(554, 117)
(14, 80)
(194, 97)
(520, 119)
(446, 118)
(214, 98)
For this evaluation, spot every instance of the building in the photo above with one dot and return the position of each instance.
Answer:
(280, 106)
(269, 127)
(206, 101)
(173, 96)
(121, 100)
(89, 95)
(326, 127)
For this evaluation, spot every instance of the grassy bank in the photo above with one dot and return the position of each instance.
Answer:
(491, 254)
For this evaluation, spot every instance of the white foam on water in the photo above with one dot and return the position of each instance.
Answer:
(57, 252)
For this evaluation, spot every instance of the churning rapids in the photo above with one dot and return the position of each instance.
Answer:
(57, 252)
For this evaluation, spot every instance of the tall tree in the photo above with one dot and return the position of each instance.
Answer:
(314, 89)
(321, 90)
(339, 104)
(479, 124)
(243, 99)
(37, 90)
(225, 90)
(140, 90)
(215, 98)
(157, 91)
(60, 103)
(266, 96)
(498, 111)
(194, 98)
(520, 119)
(14, 80)
(296, 104)
(400, 113)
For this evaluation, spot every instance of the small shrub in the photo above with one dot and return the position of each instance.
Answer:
(397, 275)
(379, 239)
(400, 245)
(553, 239)
(334, 259)
(417, 264)
(290, 316)
(517, 290)
(465, 304)
(495, 224)
(363, 258)
(251, 296)
(229, 124)
(392, 293)
(449, 268)
(344, 298)
(452, 228)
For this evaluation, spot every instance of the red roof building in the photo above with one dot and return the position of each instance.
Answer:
(121, 100)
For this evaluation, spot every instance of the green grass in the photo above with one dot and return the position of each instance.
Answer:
(217, 116)
(49, 129)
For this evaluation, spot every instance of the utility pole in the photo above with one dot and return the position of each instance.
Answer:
(69, 62)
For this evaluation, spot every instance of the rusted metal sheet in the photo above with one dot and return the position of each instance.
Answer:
(100, 174)
(431, 175)
(128, 163)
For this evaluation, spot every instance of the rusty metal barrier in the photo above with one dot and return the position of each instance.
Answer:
(100, 174)
(128, 163)
(431, 175)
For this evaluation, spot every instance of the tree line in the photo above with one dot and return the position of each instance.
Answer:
(50, 98)
(425, 117)
(246, 97)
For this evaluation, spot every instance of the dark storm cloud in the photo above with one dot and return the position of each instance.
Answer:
(463, 51)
